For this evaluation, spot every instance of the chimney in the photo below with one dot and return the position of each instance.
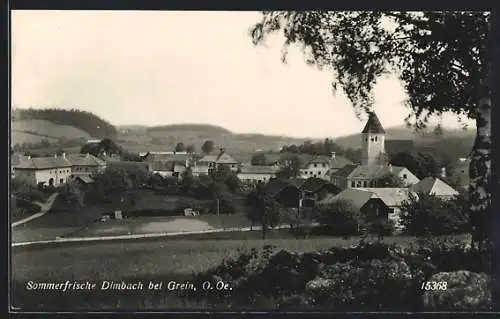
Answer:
(64, 155)
(390, 167)
(55, 155)
(333, 155)
(88, 155)
(29, 157)
(443, 172)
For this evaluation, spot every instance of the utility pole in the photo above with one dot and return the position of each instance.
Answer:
(218, 209)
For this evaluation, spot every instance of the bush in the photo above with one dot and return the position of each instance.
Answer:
(340, 218)
(362, 277)
(429, 214)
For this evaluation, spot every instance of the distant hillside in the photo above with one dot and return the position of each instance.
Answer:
(165, 137)
(61, 123)
(205, 128)
(458, 141)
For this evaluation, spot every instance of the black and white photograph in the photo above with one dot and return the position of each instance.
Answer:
(250, 160)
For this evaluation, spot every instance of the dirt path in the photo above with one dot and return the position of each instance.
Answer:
(44, 208)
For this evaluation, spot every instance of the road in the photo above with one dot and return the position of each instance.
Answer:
(44, 208)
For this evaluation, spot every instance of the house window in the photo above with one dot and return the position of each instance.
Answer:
(315, 165)
(314, 175)
(405, 176)
(61, 181)
(376, 138)
(372, 139)
(359, 183)
(310, 173)
(353, 184)
(366, 139)
(324, 165)
(365, 184)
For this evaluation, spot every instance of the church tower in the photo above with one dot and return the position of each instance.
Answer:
(372, 141)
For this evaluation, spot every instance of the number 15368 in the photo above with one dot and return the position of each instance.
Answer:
(434, 285)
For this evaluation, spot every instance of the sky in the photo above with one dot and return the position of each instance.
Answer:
(165, 67)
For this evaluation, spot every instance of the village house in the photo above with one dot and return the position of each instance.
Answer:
(285, 193)
(434, 186)
(85, 165)
(167, 164)
(356, 176)
(323, 166)
(315, 188)
(213, 162)
(256, 174)
(48, 171)
(374, 203)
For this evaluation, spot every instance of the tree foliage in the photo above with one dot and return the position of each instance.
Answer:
(207, 147)
(264, 210)
(432, 215)
(390, 180)
(341, 218)
(291, 167)
(180, 147)
(441, 57)
(85, 121)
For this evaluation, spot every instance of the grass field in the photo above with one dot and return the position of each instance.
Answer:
(158, 260)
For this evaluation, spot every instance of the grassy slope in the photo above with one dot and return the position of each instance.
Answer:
(42, 129)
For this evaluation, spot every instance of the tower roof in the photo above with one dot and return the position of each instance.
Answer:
(373, 125)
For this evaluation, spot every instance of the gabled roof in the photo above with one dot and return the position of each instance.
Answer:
(391, 196)
(84, 160)
(345, 171)
(275, 185)
(339, 161)
(357, 197)
(360, 196)
(41, 163)
(221, 158)
(85, 178)
(251, 169)
(312, 184)
(433, 186)
(373, 125)
(367, 171)
(167, 156)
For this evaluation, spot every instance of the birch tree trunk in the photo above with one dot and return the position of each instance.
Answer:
(480, 166)
(480, 177)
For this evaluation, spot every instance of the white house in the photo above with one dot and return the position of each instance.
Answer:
(49, 171)
(255, 174)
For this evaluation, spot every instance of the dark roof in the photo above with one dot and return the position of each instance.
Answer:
(25, 162)
(345, 171)
(275, 185)
(312, 184)
(373, 124)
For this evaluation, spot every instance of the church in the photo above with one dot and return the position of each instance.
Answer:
(374, 164)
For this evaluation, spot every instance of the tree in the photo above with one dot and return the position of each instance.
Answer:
(264, 210)
(180, 147)
(258, 159)
(232, 182)
(442, 58)
(207, 147)
(431, 215)
(113, 183)
(190, 148)
(389, 180)
(187, 180)
(340, 217)
(291, 167)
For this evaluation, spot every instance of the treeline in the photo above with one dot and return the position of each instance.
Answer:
(83, 120)
(109, 147)
(325, 148)
(46, 144)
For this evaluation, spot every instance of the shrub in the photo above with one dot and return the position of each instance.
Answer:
(340, 218)
(429, 214)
